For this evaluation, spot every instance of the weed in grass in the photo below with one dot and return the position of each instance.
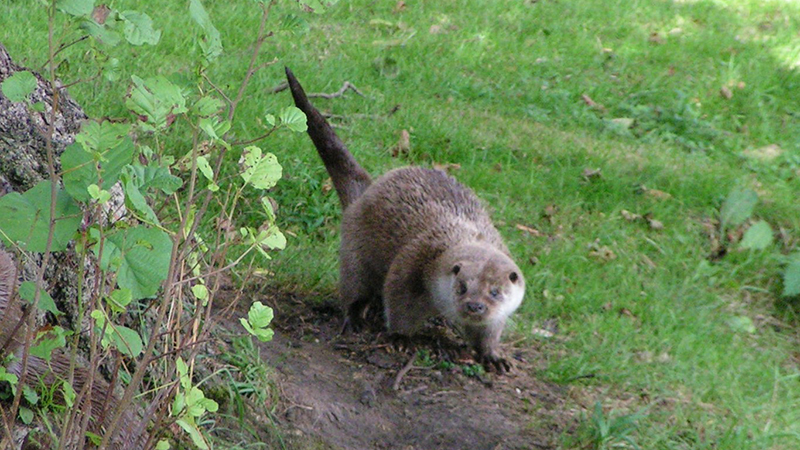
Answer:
(604, 432)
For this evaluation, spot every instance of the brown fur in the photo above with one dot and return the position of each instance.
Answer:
(422, 242)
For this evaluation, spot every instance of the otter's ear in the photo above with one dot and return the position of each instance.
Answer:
(513, 277)
(456, 269)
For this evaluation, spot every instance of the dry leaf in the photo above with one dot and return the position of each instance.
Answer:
(626, 312)
(327, 185)
(654, 193)
(498, 167)
(446, 167)
(765, 154)
(654, 224)
(726, 92)
(601, 252)
(400, 6)
(435, 29)
(591, 103)
(589, 174)
(656, 38)
(533, 260)
(529, 230)
(403, 146)
(100, 13)
(608, 306)
(629, 216)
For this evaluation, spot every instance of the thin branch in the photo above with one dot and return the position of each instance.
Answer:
(252, 66)
(347, 85)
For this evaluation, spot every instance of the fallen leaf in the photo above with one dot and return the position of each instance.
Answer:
(529, 230)
(590, 174)
(435, 29)
(100, 13)
(591, 103)
(327, 185)
(603, 253)
(654, 224)
(726, 92)
(766, 153)
(656, 38)
(654, 193)
(629, 216)
(626, 312)
(446, 167)
(400, 6)
(542, 332)
(498, 167)
(624, 123)
(403, 146)
(533, 260)
(608, 306)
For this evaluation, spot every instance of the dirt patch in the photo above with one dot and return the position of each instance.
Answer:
(337, 391)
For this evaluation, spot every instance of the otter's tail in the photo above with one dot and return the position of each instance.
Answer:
(349, 178)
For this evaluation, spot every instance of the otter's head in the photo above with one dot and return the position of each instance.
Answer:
(479, 286)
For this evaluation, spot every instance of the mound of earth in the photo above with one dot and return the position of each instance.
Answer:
(356, 391)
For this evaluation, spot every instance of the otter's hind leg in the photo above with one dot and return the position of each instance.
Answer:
(407, 304)
(359, 290)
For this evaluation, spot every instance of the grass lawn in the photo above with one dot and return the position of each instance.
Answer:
(571, 120)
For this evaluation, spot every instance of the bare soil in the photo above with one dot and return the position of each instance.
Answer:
(338, 391)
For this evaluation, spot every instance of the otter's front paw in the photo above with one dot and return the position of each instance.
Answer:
(495, 362)
(401, 343)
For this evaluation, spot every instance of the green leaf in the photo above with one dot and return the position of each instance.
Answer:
(154, 177)
(270, 119)
(200, 291)
(272, 238)
(791, 277)
(48, 341)
(137, 201)
(207, 106)
(738, 207)
(294, 119)
(191, 429)
(758, 236)
(30, 395)
(25, 218)
(163, 444)
(742, 324)
(127, 341)
(210, 42)
(102, 33)
(8, 377)
(69, 394)
(100, 195)
(138, 29)
(261, 172)
(19, 86)
(156, 99)
(258, 319)
(76, 7)
(27, 290)
(144, 256)
(120, 299)
(25, 415)
(99, 151)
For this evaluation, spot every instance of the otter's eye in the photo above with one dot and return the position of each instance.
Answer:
(456, 269)
(494, 292)
(462, 288)
(513, 277)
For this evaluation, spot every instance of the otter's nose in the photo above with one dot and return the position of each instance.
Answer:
(476, 308)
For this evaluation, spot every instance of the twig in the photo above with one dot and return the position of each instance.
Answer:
(347, 85)
(409, 365)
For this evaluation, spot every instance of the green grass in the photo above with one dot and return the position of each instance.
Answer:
(497, 87)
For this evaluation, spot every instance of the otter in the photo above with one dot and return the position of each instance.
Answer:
(420, 241)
